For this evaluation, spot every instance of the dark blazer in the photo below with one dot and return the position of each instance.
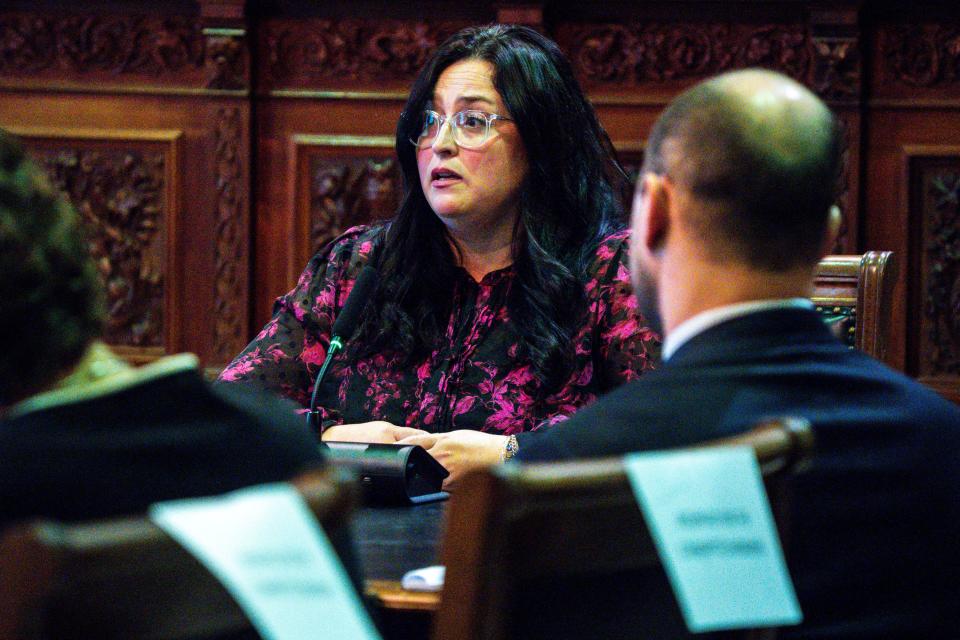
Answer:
(170, 437)
(875, 542)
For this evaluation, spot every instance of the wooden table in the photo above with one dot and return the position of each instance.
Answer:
(393, 540)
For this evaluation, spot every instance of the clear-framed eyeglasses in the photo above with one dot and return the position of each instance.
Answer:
(470, 128)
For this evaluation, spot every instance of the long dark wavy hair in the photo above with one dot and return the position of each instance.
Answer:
(569, 202)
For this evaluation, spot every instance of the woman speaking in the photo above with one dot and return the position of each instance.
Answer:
(503, 302)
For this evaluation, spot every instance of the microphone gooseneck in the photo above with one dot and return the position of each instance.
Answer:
(343, 328)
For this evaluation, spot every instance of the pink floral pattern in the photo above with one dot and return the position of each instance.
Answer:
(473, 379)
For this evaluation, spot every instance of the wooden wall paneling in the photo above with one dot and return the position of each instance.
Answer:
(836, 75)
(636, 66)
(207, 194)
(913, 127)
(630, 156)
(526, 13)
(108, 50)
(124, 185)
(326, 81)
(932, 208)
(114, 52)
(896, 212)
(105, 68)
(341, 181)
(915, 62)
(230, 218)
(884, 225)
(273, 207)
(295, 133)
(848, 188)
(339, 57)
(650, 61)
(229, 72)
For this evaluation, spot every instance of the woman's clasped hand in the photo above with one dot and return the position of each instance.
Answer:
(461, 450)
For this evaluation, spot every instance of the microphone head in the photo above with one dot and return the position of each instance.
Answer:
(349, 316)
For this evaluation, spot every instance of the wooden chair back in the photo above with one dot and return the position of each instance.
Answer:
(854, 293)
(562, 550)
(126, 578)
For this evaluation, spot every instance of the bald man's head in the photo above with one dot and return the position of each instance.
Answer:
(759, 153)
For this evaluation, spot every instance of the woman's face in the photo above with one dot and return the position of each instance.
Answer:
(472, 189)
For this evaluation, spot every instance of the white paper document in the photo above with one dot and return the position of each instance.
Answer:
(424, 579)
(268, 550)
(711, 522)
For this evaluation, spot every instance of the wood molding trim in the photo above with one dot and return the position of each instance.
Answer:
(230, 294)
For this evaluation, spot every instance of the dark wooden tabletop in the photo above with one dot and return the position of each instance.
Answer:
(393, 540)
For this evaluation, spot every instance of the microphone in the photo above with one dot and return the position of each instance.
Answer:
(343, 328)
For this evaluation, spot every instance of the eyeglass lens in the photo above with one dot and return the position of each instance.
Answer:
(470, 128)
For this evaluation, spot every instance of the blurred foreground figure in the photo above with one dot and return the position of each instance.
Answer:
(82, 434)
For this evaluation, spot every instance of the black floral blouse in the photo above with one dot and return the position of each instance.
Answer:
(473, 379)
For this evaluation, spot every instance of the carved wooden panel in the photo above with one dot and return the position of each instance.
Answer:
(343, 53)
(342, 70)
(835, 73)
(342, 181)
(226, 62)
(934, 211)
(122, 185)
(645, 53)
(919, 60)
(153, 50)
(835, 44)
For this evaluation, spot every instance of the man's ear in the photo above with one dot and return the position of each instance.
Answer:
(651, 213)
(830, 234)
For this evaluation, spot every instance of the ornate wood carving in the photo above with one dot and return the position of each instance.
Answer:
(229, 256)
(921, 55)
(112, 43)
(307, 53)
(226, 59)
(644, 53)
(120, 195)
(941, 271)
(836, 68)
(348, 192)
(165, 50)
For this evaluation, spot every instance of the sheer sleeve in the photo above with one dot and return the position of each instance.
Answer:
(615, 345)
(287, 353)
(626, 345)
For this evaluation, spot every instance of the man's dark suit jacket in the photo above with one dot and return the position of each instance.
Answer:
(875, 541)
(172, 436)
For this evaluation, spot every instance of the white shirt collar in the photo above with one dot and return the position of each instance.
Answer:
(712, 317)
